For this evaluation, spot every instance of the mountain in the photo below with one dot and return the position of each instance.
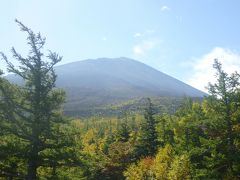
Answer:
(95, 83)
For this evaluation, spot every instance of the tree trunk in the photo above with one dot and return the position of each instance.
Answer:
(33, 160)
(32, 170)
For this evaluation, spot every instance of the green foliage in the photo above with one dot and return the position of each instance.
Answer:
(123, 132)
(31, 115)
(225, 95)
(165, 129)
(95, 105)
(148, 137)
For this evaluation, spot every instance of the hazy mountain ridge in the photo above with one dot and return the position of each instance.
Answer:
(96, 83)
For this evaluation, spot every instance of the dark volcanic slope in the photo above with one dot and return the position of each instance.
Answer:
(94, 83)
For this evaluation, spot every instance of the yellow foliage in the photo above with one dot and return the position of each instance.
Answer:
(89, 141)
(142, 170)
(165, 166)
(180, 168)
(162, 162)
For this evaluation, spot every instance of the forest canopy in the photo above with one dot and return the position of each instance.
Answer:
(200, 140)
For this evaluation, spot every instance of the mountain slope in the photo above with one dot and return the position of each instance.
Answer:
(121, 75)
(92, 84)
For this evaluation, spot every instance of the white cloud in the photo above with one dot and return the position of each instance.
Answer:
(203, 67)
(142, 48)
(165, 8)
(138, 35)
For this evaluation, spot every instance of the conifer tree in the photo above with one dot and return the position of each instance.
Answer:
(35, 116)
(148, 138)
(223, 102)
(123, 132)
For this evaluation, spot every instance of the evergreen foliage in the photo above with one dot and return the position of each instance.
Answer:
(148, 138)
(223, 105)
(31, 114)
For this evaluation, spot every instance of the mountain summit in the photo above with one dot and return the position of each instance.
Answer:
(99, 82)
(96, 82)
(121, 77)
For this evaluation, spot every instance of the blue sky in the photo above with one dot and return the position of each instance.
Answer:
(180, 38)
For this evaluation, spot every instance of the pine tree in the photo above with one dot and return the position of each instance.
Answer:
(223, 102)
(123, 132)
(35, 116)
(165, 129)
(148, 139)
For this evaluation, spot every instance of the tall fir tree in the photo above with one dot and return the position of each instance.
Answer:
(34, 116)
(148, 138)
(123, 132)
(224, 110)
